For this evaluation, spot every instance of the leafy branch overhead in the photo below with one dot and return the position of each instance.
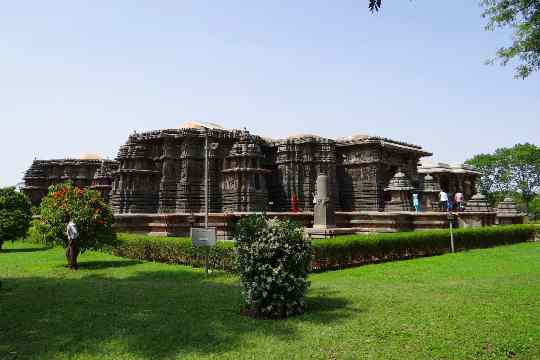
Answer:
(375, 5)
(523, 18)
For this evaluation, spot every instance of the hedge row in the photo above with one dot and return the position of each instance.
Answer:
(329, 254)
(346, 251)
(174, 250)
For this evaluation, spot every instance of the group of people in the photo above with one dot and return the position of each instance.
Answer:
(451, 203)
(446, 202)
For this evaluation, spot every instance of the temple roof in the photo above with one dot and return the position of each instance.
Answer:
(361, 139)
(201, 125)
(90, 156)
(301, 136)
(433, 167)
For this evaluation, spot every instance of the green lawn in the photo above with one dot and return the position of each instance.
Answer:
(472, 305)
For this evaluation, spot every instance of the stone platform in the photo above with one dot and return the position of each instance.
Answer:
(179, 224)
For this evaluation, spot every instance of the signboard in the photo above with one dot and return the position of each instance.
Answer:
(203, 237)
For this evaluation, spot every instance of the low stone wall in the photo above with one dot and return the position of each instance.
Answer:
(180, 224)
(346, 222)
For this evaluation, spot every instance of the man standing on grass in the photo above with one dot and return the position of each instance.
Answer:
(72, 249)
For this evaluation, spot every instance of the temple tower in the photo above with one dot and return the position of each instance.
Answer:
(400, 191)
(430, 194)
(300, 159)
(244, 177)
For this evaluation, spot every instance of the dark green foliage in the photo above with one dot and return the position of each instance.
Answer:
(173, 250)
(91, 214)
(534, 208)
(345, 251)
(510, 170)
(15, 214)
(523, 17)
(273, 261)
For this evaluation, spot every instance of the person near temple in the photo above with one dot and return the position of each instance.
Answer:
(450, 203)
(416, 202)
(72, 248)
(458, 199)
(443, 200)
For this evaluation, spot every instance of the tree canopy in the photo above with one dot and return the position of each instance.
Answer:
(15, 214)
(510, 170)
(523, 17)
(90, 213)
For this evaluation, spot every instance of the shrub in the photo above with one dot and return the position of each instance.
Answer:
(15, 214)
(91, 214)
(273, 261)
(173, 250)
(353, 250)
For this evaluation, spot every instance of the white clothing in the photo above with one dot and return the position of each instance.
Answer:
(72, 232)
(443, 196)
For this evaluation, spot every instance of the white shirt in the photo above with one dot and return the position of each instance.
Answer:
(443, 196)
(72, 232)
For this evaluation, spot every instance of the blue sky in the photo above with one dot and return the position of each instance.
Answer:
(79, 76)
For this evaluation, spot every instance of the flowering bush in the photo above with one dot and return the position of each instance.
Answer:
(273, 261)
(15, 214)
(90, 213)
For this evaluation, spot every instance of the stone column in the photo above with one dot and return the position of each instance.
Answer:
(400, 189)
(430, 194)
(324, 209)
(508, 213)
(477, 212)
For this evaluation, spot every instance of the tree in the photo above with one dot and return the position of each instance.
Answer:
(90, 213)
(15, 214)
(523, 17)
(508, 170)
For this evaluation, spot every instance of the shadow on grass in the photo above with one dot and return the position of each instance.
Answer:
(24, 250)
(98, 265)
(149, 315)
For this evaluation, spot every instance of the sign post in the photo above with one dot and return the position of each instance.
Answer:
(451, 218)
(205, 238)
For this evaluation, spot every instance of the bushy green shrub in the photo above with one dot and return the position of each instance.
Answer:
(15, 214)
(345, 251)
(91, 214)
(173, 250)
(273, 261)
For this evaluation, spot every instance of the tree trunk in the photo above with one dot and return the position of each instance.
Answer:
(72, 252)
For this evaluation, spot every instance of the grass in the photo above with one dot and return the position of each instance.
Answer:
(481, 304)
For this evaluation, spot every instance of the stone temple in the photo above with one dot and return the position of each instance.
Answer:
(90, 170)
(163, 171)
(156, 184)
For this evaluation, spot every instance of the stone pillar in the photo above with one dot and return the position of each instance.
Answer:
(430, 194)
(400, 189)
(324, 209)
(477, 212)
(508, 213)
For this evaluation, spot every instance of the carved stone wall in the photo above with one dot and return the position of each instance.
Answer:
(44, 173)
(170, 165)
(366, 167)
(163, 172)
(298, 163)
